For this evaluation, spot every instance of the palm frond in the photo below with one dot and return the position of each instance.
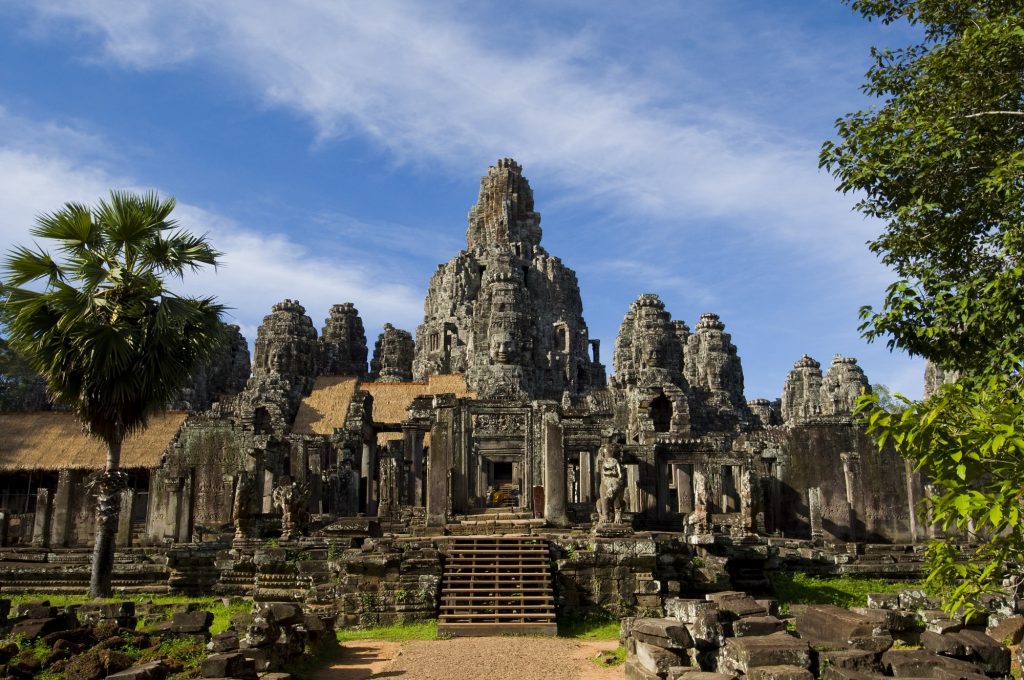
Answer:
(22, 266)
(72, 226)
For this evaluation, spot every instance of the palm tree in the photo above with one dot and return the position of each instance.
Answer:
(98, 323)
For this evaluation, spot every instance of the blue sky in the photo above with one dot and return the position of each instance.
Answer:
(333, 149)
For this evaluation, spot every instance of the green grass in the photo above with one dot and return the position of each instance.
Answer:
(401, 632)
(221, 614)
(842, 591)
(589, 628)
(615, 657)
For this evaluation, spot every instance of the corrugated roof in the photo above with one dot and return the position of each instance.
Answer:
(54, 440)
(326, 407)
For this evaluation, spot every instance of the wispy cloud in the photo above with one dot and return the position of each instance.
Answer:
(434, 88)
(258, 268)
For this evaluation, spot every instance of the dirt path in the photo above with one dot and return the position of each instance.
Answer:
(487, 658)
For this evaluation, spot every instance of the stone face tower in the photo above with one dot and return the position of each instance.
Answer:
(504, 312)
(343, 342)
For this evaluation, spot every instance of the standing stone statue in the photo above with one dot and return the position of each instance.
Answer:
(613, 483)
(291, 497)
(388, 504)
(245, 491)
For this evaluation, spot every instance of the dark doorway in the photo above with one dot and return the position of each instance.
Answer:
(661, 414)
(501, 474)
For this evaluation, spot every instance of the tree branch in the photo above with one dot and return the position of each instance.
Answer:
(994, 113)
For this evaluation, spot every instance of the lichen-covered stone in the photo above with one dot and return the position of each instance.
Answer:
(842, 385)
(504, 312)
(801, 393)
(392, 356)
(286, 345)
(343, 342)
(713, 370)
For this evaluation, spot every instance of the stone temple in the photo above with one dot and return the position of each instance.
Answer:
(496, 417)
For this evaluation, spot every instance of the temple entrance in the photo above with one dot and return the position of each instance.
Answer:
(503, 484)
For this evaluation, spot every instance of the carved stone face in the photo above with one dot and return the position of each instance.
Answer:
(504, 349)
(650, 353)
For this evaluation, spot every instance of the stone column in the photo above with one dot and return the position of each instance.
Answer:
(3, 527)
(684, 487)
(372, 493)
(414, 452)
(851, 475)
(184, 521)
(41, 525)
(586, 477)
(814, 512)
(633, 490)
(554, 473)
(124, 519)
(912, 500)
(60, 519)
(437, 470)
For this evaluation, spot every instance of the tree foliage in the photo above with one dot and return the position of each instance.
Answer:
(940, 160)
(99, 324)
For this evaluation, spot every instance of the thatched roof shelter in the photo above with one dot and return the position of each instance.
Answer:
(54, 440)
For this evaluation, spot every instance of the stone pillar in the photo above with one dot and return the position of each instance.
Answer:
(701, 515)
(41, 525)
(750, 499)
(554, 473)
(183, 533)
(437, 470)
(124, 519)
(586, 477)
(814, 512)
(417, 470)
(3, 527)
(372, 493)
(633, 503)
(684, 487)
(912, 500)
(851, 475)
(934, 530)
(60, 519)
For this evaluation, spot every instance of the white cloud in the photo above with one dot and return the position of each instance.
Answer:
(434, 88)
(258, 268)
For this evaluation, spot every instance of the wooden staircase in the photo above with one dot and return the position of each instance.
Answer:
(496, 585)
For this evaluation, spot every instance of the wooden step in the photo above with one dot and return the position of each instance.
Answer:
(496, 585)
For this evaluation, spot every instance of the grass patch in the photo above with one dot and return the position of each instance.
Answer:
(843, 591)
(221, 613)
(589, 628)
(615, 657)
(400, 632)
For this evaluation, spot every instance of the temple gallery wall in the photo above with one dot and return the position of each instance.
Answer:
(495, 414)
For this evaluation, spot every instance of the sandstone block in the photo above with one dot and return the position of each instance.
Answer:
(634, 671)
(757, 625)
(286, 613)
(892, 620)
(223, 642)
(666, 633)
(31, 629)
(690, 674)
(828, 623)
(850, 659)
(780, 649)
(917, 599)
(780, 673)
(191, 622)
(837, 673)
(1009, 631)
(154, 670)
(992, 657)
(948, 645)
(656, 659)
(883, 600)
(920, 663)
(735, 605)
(229, 665)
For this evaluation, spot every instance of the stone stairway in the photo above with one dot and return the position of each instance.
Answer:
(495, 585)
(494, 521)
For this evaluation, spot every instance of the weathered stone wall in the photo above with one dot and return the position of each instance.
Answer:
(392, 356)
(836, 458)
(343, 342)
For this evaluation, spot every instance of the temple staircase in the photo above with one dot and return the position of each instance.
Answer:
(496, 585)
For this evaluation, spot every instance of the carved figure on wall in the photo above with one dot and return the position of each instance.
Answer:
(387, 506)
(291, 498)
(503, 347)
(611, 502)
(245, 492)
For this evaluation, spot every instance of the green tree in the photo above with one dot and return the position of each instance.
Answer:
(101, 327)
(940, 160)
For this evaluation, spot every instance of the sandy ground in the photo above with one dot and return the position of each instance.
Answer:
(472, 658)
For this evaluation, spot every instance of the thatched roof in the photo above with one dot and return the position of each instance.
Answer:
(54, 440)
(391, 399)
(326, 407)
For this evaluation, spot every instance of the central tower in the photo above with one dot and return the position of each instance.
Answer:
(504, 312)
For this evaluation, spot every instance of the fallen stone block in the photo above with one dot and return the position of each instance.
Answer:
(666, 633)
(780, 673)
(828, 623)
(191, 622)
(685, 673)
(31, 629)
(286, 613)
(883, 600)
(892, 620)
(657, 659)
(736, 605)
(876, 644)
(1009, 631)
(634, 671)
(223, 642)
(851, 659)
(154, 670)
(701, 618)
(947, 645)
(992, 657)
(915, 600)
(757, 625)
(229, 665)
(920, 663)
(770, 606)
(779, 649)
(836, 673)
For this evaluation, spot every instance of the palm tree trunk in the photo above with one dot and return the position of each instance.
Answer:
(108, 509)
